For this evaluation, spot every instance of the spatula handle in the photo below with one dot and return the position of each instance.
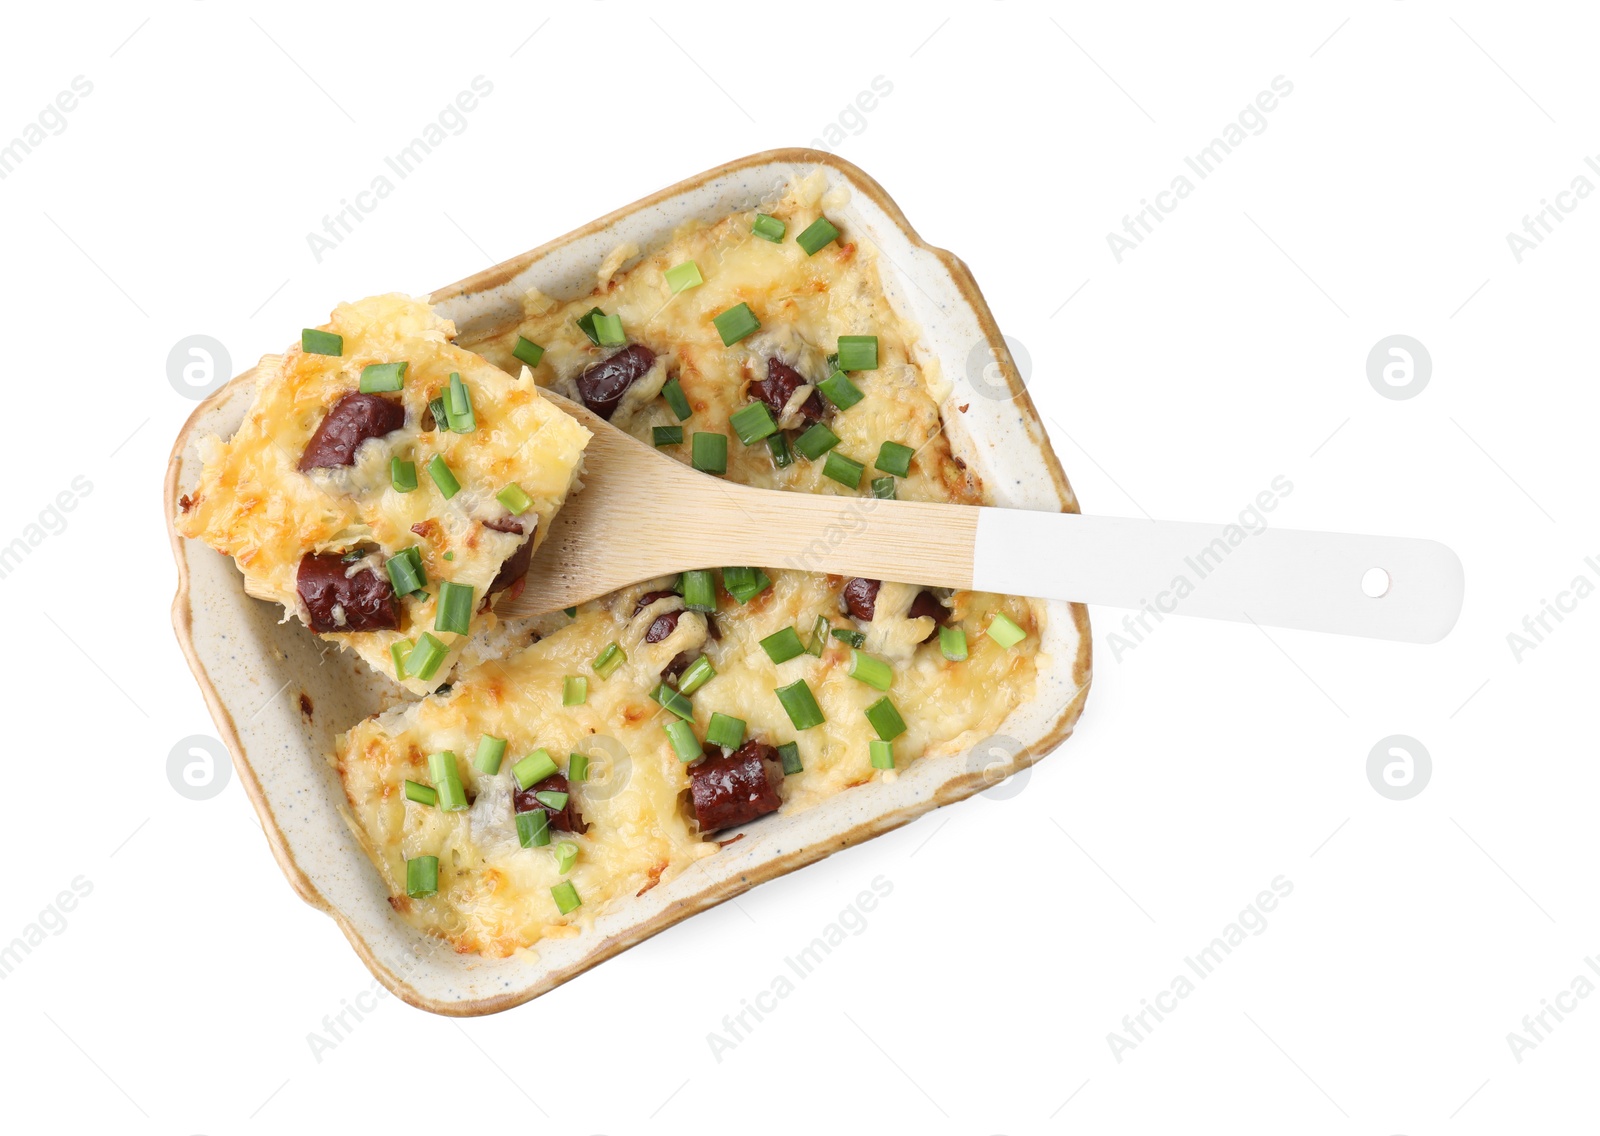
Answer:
(1272, 577)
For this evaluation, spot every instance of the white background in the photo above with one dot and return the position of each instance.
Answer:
(1228, 349)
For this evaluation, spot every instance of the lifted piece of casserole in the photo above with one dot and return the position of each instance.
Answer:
(385, 485)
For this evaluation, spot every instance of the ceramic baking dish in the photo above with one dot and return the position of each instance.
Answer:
(279, 695)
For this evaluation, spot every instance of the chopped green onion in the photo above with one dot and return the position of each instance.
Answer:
(681, 277)
(514, 498)
(789, 754)
(533, 769)
(533, 828)
(673, 701)
(574, 690)
(447, 781)
(894, 458)
(800, 704)
(453, 614)
(421, 794)
(783, 645)
(858, 353)
(314, 342)
(442, 477)
(736, 323)
(449, 556)
(528, 351)
(881, 754)
(709, 452)
(677, 584)
(953, 642)
(405, 571)
(667, 435)
(768, 228)
(425, 657)
(839, 390)
(376, 377)
(551, 799)
(684, 743)
(816, 441)
(566, 856)
(753, 422)
(846, 471)
(422, 876)
(745, 584)
(699, 590)
(586, 324)
(607, 661)
(725, 730)
(819, 636)
(566, 897)
(571, 612)
(874, 672)
(441, 420)
(886, 719)
(577, 768)
(608, 330)
(458, 406)
(402, 475)
(672, 391)
(697, 675)
(817, 234)
(850, 636)
(1004, 632)
(398, 651)
(883, 488)
(491, 752)
(778, 447)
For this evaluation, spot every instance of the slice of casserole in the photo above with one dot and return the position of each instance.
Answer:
(386, 485)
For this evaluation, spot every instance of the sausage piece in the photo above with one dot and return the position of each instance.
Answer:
(779, 386)
(861, 598)
(513, 568)
(602, 384)
(365, 601)
(566, 819)
(729, 791)
(353, 419)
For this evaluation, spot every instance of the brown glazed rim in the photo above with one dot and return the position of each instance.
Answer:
(956, 789)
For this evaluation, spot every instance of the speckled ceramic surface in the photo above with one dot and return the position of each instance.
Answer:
(279, 695)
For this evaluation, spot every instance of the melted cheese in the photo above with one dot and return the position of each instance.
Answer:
(254, 505)
(494, 896)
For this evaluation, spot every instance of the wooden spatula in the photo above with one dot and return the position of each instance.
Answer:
(632, 521)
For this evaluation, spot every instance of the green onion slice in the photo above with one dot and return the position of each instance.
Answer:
(725, 730)
(886, 719)
(953, 643)
(699, 591)
(533, 769)
(551, 799)
(783, 645)
(577, 768)
(533, 828)
(574, 690)
(849, 635)
(442, 477)
(586, 324)
(696, 675)
(789, 754)
(816, 441)
(800, 704)
(672, 391)
(681, 277)
(839, 390)
(566, 897)
(608, 330)
(753, 422)
(778, 447)
(709, 452)
(458, 406)
(735, 323)
(406, 572)
(421, 794)
(422, 876)
(684, 743)
(846, 471)
(871, 670)
(425, 657)
(379, 377)
(883, 488)
(528, 351)
(745, 584)
(674, 701)
(398, 650)
(819, 636)
(1005, 632)
(893, 458)
(453, 614)
(768, 228)
(858, 353)
(566, 856)
(607, 661)
(666, 435)
(447, 780)
(402, 475)
(314, 342)
(816, 234)
(881, 754)
(491, 751)
(514, 498)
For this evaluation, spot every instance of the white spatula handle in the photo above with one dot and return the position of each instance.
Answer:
(1272, 577)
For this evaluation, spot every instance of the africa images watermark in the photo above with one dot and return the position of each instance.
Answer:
(53, 919)
(1538, 625)
(1203, 163)
(1251, 521)
(50, 121)
(1537, 1027)
(853, 117)
(50, 521)
(1543, 221)
(1137, 1027)
(452, 120)
(852, 921)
